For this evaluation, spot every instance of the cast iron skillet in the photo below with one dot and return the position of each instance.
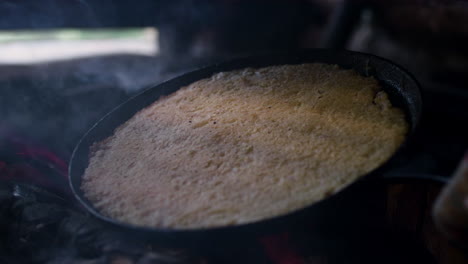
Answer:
(348, 205)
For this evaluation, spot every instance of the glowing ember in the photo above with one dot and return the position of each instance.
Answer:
(24, 162)
(280, 250)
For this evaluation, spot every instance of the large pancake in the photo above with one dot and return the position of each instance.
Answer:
(243, 146)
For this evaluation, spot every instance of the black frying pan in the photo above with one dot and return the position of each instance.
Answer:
(326, 215)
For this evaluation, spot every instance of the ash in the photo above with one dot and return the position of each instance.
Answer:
(40, 227)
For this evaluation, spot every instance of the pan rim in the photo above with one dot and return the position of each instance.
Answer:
(294, 55)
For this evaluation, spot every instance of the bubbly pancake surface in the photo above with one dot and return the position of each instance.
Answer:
(242, 146)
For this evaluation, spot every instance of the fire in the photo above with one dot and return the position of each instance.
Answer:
(22, 161)
(280, 249)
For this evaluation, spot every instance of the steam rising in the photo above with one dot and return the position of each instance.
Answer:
(56, 103)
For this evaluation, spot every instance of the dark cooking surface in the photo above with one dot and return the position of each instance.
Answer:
(49, 120)
(401, 87)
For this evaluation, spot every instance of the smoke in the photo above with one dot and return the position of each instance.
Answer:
(57, 102)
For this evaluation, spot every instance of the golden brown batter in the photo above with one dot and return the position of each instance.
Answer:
(243, 146)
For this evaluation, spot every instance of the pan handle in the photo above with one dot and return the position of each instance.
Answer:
(450, 211)
(414, 177)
